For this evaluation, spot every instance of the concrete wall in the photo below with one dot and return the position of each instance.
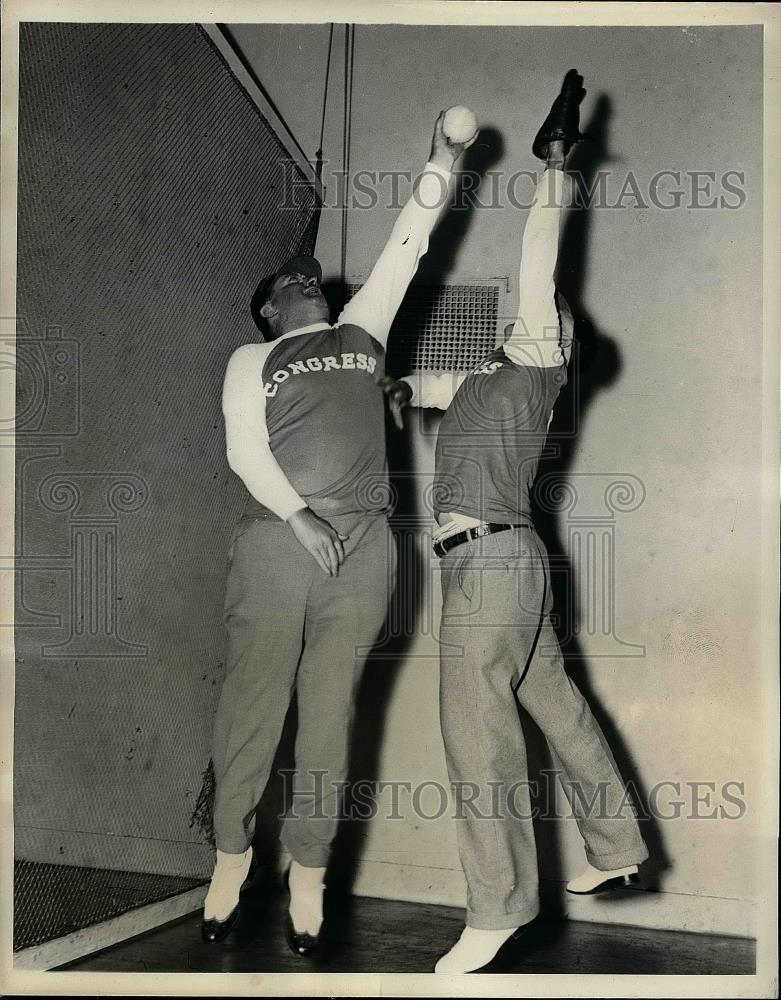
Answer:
(670, 405)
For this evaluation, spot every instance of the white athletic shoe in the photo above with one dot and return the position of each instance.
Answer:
(593, 880)
(474, 949)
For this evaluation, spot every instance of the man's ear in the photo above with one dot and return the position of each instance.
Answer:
(267, 311)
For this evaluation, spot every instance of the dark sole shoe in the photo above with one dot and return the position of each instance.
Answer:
(563, 121)
(508, 950)
(213, 931)
(620, 882)
(300, 944)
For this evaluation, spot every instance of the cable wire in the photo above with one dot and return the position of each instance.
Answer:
(349, 60)
(319, 152)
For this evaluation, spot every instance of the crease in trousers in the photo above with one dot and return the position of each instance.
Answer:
(498, 647)
(291, 626)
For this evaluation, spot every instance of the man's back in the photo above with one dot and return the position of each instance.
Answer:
(491, 437)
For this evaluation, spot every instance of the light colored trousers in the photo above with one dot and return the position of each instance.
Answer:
(290, 625)
(499, 647)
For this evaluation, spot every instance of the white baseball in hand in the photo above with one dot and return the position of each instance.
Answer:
(460, 124)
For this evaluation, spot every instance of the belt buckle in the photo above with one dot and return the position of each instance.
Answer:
(441, 548)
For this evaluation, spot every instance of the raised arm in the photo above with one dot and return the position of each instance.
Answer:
(375, 305)
(542, 333)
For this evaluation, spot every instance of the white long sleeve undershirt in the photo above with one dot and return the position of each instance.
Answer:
(246, 435)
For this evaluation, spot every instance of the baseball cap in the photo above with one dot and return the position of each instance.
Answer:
(309, 266)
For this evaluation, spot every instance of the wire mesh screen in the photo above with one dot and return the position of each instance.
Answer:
(443, 327)
(153, 195)
(79, 897)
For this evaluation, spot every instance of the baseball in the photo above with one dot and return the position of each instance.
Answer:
(460, 124)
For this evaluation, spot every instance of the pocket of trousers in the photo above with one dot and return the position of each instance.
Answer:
(465, 578)
(241, 528)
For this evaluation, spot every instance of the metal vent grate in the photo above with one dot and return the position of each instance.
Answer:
(443, 327)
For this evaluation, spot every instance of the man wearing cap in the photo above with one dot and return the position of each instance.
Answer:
(312, 559)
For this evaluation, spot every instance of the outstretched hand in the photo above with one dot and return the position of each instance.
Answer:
(445, 152)
(398, 393)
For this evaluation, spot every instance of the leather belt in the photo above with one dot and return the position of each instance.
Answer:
(468, 535)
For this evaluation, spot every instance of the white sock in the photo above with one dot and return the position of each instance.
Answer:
(474, 949)
(306, 898)
(230, 873)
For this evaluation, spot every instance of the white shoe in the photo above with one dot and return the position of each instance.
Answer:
(306, 898)
(474, 949)
(230, 873)
(593, 880)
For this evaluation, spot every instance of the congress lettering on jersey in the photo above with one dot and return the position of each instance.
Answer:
(349, 360)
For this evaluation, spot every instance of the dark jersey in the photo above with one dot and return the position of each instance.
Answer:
(325, 419)
(491, 437)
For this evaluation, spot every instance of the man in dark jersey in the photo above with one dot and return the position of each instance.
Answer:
(312, 559)
(497, 641)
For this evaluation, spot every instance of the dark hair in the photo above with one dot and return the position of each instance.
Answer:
(258, 300)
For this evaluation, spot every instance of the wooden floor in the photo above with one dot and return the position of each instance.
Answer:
(376, 935)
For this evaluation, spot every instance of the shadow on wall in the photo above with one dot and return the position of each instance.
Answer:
(596, 364)
(451, 233)
(382, 672)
